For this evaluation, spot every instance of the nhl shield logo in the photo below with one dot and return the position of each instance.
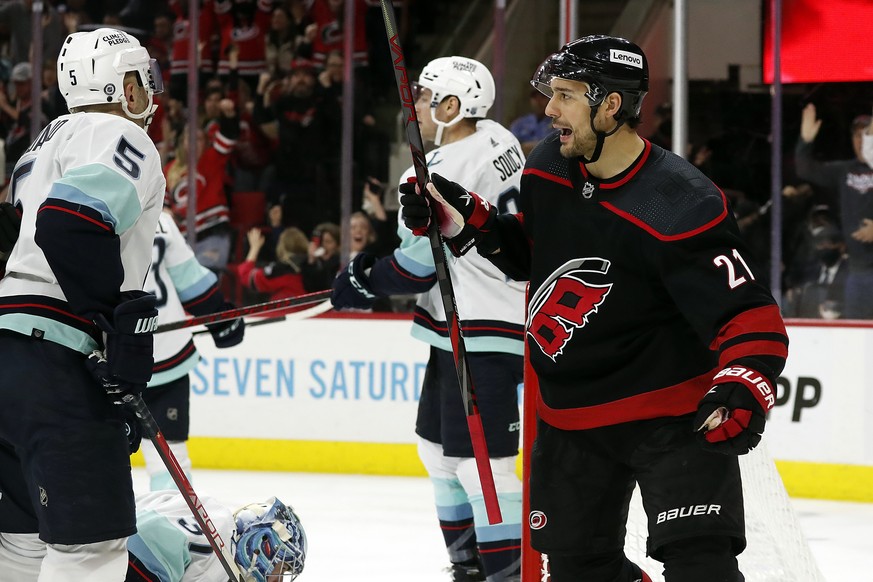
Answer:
(564, 303)
(587, 190)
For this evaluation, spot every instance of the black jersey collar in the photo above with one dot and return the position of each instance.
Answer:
(620, 179)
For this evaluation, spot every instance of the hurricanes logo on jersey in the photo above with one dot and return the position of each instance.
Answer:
(564, 302)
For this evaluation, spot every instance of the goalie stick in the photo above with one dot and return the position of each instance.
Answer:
(153, 432)
(459, 351)
(306, 299)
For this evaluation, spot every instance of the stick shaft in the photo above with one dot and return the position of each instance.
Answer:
(219, 316)
(153, 432)
(419, 163)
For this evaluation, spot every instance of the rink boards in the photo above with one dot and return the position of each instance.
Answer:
(338, 394)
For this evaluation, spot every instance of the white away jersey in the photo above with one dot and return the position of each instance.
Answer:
(490, 306)
(174, 278)
(170, 543)
(96, 160)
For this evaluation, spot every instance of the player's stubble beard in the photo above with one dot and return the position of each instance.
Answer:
(582, 144)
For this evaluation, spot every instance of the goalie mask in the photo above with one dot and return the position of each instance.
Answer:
(92, 66)
(468, 80)
(269, 542)
(607, 64)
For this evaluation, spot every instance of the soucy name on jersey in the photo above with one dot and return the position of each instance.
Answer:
(564, 302)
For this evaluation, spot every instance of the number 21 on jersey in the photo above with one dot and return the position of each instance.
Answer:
(734, 279)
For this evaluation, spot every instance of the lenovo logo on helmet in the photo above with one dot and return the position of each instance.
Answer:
(625, 58)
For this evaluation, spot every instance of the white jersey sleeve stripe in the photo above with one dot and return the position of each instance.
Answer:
(417, 259)
(109, 194)
(191, 279)
(25, 323)
(160, 546)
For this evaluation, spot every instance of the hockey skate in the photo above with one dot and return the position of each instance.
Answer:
(469, 571)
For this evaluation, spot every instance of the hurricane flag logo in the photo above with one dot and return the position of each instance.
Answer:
(564, 303)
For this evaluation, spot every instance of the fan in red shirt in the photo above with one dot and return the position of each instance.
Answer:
(281, 278)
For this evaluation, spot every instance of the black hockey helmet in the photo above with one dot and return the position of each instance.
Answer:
(608, 64)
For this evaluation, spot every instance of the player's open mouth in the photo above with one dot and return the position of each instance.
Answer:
(565, 133)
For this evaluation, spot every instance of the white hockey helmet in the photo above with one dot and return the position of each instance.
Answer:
(92, 65)
(468, 80)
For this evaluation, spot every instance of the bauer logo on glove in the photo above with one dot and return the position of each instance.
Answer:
(731, 415)
(754, 379)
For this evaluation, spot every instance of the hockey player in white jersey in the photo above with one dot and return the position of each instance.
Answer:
(181, 285)
(75, 326)
(453, 98)
(267, 540)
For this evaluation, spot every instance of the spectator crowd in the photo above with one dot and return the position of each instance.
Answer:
(269, 124)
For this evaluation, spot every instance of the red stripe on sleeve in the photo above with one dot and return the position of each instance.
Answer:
(79, 214)
(752, 348)
(766, 319)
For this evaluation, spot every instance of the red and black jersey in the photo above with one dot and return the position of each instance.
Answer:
(244, 25)
(330, 32)
(212, 208)
(181, 36)
(641, 288)
(279, 279)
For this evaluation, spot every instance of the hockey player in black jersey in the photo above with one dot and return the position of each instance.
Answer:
(655, 343)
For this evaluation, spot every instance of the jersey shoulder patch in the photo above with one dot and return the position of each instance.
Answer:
(671, 198)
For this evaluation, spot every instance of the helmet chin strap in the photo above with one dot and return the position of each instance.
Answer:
(601, 137)
(148, 113)
(441, 125)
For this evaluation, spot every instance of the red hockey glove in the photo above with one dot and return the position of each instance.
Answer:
(731, 416)
(464, 217)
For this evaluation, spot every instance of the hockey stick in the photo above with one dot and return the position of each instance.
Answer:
(296, 316)
(306, 299)
(153, 432)
(459, 350)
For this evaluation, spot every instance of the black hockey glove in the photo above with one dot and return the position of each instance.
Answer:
(464, 218)
(351, 288)
(227, 333)
(415, 208)
(731, 416)
(125, 364)
(132, 428)
(10, 226)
